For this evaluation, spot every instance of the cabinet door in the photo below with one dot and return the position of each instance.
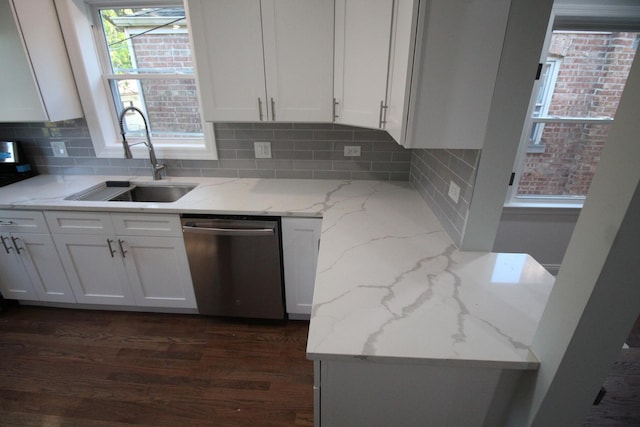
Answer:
(14, 280)
(454, 78)
(300, 242)
(403, 38)
(43, 266)
(362, 37)
(227, 43)
(97, 275)
(37, 83)
(298, 52)
(158, 271)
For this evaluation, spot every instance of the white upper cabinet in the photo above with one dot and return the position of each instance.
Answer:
(37, 83)
(362, 39)
(268, 60)
(457, 57)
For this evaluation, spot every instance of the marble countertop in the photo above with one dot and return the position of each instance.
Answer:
(390, 283)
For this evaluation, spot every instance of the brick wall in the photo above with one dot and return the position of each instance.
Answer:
(589, 84)
(172, 105)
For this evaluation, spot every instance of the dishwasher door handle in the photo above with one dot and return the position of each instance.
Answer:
(229, 231)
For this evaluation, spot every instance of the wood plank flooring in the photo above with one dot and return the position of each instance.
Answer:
(98, 368)
(620, 406)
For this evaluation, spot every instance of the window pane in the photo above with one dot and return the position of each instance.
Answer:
(592, 74)
(171, 106)
(568, 163)
(147, 40)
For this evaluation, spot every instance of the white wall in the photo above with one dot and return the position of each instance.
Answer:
(542, 233)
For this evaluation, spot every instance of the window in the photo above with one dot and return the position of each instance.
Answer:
(572, 108)
(140, 56)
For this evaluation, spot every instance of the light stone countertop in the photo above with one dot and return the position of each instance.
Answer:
(390, 284)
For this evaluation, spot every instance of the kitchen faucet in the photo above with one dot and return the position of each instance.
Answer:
(156, 168)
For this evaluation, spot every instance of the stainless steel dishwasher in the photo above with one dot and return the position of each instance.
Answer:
(236, 265)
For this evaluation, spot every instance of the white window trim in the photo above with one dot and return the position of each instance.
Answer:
(559, 202)
(76, 24)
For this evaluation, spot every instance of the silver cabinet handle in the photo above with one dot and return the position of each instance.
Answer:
(14, 240)
(229, 231)
(335, 105)
(273, 110)
(122, 251)
(6, 222)
(260, 109)
(383, 114)
(6, 248)
(111, 250)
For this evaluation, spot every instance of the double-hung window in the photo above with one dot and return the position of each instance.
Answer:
(137, 53)
(582, 76)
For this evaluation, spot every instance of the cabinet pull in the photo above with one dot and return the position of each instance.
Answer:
(335, 105)
(6, 248)
(15, 240)
(383, 114)
(122, 251)
(273, 110)
(111, 250)
(260, 109)
(5, 222)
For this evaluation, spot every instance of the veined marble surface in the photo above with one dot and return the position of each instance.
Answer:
(390, 284)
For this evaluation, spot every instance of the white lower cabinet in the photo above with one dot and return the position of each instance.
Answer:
(300, 244)
(30, 266)
(124, 269)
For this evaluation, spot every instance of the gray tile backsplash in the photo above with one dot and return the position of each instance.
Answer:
(299, 150)
(431, 173)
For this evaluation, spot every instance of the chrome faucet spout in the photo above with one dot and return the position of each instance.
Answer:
(156, 168)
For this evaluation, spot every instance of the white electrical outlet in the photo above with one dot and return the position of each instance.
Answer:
(351, 150)
(454, 191)
(59, 149)
(262, 149)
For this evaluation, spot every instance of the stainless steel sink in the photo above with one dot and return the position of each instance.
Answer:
(153, 193)
(125, 191)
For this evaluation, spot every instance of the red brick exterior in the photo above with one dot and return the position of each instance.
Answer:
(590, 82)
(172, 105)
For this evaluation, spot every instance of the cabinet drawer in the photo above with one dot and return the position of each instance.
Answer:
(146, 224)
(79, 222)
(23, 221)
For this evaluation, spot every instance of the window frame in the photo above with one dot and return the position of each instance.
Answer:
(597, 18)
(87, 55)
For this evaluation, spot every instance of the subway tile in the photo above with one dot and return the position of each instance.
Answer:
(333, 135)
(399, 176)
(349, 165)
(273, 126)
(322, 126)
(224, 133)
(220, 173)
(295, 134)
(91, 161)
(322, 174)
(184, 172)
(202, 164)
(390, 166)
(237, 164)
(312, 165)
(282, 145)
(401, 156)
(291, 174)
(254, 134)
(252, 173)
(313, 145)
(367, 175)
(110, 170)
(274, 164)
(227, 154)
(245, 154)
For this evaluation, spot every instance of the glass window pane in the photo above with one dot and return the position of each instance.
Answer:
(593, 72)
(147, 40)
(170, 105)
(568, 163)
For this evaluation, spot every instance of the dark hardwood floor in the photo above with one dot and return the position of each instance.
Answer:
(98, 368)
(620, 406)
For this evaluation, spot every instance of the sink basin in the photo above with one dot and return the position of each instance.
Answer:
(153, 193)
(125, 191)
